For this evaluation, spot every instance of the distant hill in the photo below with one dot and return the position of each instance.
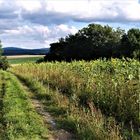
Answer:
(21, 51)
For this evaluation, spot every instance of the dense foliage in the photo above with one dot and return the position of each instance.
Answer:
(110, 86)
(3, 60)
(96, 41)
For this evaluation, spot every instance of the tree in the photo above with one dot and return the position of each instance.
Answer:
(3, 60)
(103, 40)
(130, 44)
(96, 41)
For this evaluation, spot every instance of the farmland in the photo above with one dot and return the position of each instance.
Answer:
(92, 100)
(18, 59)
(69, 70)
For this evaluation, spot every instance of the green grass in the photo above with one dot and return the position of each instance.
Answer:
(22, 60)
(1, 105)
(19, 119)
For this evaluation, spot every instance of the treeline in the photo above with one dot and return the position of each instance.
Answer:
(96, 41)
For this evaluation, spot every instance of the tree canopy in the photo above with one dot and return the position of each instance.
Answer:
(96, 41)
(130, 44)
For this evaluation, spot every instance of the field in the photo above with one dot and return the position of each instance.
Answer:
(89, 100)
(18, 59)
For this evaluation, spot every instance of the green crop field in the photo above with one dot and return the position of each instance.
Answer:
(23, 59)
(91, 100)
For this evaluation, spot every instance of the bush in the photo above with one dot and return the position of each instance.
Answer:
(3, 60)
(4, 63)
(40, 60)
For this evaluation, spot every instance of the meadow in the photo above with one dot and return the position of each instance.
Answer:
(94, 100)
(19, 59)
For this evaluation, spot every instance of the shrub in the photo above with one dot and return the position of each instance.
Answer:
(4, 63)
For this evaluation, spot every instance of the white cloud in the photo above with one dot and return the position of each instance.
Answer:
(132, 11)
(37, 23)
(63, 28)
(1, 1)
(36, 36)
(74, 10)
(97, 10)
(29, 5)
(56, 32)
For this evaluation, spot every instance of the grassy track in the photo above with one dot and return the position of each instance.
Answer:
(20, 120)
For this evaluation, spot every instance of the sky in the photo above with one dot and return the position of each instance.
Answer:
(37, 23)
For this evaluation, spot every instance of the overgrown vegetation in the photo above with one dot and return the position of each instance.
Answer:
(96, 41)
(78, 120)
(111, 87)
(18, 117)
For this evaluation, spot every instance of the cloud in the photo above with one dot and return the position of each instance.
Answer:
(8, 10)
(36, 36)
(47, 12)
(36, 23)
(56, 12)
(29, 5)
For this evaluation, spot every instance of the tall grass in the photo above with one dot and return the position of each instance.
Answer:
(110, 86)
(86, 125)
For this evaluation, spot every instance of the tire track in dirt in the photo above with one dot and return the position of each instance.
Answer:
(54, 132)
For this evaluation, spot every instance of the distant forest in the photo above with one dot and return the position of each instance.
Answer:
(96, 41)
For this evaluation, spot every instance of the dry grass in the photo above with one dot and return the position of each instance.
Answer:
(23, 56)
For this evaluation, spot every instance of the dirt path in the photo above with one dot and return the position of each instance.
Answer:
(54, 132)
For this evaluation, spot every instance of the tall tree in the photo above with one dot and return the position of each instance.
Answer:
(96, 41)
(3, 60)
(130, 44)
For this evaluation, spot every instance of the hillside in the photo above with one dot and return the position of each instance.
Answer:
(21, 51)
